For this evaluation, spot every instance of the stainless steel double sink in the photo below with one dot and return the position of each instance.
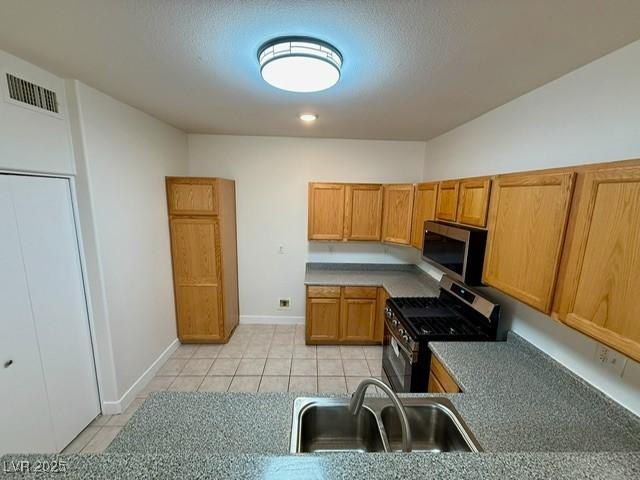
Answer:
(324, 425)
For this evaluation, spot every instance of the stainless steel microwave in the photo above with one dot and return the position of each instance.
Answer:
(455, 249)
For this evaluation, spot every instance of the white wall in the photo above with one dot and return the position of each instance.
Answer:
(272, 176)
(123, 156)
(590, 115)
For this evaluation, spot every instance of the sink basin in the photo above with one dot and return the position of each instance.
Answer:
(332, 428)
(433, 428)
(324, 425)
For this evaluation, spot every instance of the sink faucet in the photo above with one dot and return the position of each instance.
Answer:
(358, 398)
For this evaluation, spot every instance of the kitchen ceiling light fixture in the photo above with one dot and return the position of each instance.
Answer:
(299, 64)
(308, 117)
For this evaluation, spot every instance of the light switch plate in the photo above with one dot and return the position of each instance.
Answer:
(610, 359)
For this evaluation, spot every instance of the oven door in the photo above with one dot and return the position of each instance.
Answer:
(396, 363)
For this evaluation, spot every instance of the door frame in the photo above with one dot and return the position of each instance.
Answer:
(83, 272)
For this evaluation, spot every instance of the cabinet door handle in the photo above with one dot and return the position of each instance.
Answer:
(8, 363)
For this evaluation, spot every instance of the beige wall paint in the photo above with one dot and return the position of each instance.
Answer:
(590, 115)
(272, 174)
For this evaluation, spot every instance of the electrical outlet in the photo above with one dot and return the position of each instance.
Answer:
(285, 304)
(610, 359)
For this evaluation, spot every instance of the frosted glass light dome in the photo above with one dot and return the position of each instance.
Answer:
(299, 64)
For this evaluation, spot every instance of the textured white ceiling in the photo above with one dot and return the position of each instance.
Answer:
(413, 69)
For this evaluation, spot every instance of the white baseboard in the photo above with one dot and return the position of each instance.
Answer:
(267, 319)
(119, 406)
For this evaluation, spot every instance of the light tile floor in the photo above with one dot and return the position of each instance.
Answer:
(258, 358)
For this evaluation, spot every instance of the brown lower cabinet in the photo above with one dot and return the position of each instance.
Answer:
(344, 315)
(439, 379)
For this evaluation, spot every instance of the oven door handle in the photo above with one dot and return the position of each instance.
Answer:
(399, 342)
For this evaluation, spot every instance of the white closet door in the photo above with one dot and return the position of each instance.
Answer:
(49, 244)
(25, 422)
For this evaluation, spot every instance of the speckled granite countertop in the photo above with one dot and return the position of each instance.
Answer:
(518, 399)
(398, 279)
(533, 418)
(343, 466)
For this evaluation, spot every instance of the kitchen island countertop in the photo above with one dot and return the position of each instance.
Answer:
(533, 418)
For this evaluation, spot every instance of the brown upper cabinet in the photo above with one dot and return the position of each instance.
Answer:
(599, 280)
(424, 208)
(527, 222)
(397, 218)
(464, 201)
(192, 196)
(202, 222)
(447, 208)
(363, 212)
(326, 211)
(474, 201)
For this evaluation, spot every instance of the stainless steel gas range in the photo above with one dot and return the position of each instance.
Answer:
(457, 314)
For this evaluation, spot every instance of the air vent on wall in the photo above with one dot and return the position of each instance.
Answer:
(26, 92)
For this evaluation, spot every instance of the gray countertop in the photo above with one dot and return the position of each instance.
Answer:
(341, 466)
(516, 399)
(533, 418)
(399, 280)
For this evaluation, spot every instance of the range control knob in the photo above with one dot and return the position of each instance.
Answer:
(402, 332)
(406, 338)
(394, 322)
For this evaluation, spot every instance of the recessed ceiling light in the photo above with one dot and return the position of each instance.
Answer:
(308, 117)
(299, 64)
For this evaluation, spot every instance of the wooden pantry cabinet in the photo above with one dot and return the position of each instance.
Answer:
(599, 280)
(344, 315)
(202, 221)
(397, 217)
(527, 222)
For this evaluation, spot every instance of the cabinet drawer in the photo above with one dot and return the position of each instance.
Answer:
(442, 376)
(323, 292)
(360, 292)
